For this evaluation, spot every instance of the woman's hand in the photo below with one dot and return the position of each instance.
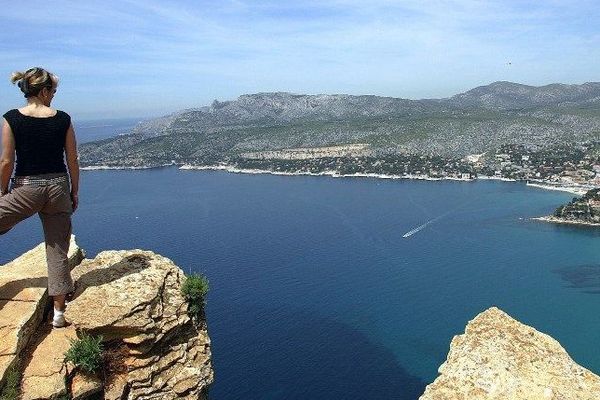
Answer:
(74, 200)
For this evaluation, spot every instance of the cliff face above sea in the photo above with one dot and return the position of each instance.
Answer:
(499, 358)
(133, 299)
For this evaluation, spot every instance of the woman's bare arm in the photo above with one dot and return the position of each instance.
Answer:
(72, 165)
(7, 160)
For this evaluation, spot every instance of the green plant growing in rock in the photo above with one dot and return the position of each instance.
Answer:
(194, 289)
(10, 391)
(86, 353)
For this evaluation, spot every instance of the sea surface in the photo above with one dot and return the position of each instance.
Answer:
(315, 293)
(90, 130)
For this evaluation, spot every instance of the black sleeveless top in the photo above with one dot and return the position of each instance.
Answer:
(39, 142)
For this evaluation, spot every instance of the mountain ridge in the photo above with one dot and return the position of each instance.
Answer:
(475, 121)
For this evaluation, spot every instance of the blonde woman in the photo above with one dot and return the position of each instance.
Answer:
(42, 138)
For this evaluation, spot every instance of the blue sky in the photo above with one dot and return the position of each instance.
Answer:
(145, 58)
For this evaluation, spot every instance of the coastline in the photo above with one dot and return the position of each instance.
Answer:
(580, 191)
(333, 174)
(108, 167)
(555, 220)
(577, 190)
(495, 178)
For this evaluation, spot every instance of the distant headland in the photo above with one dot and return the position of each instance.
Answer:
(548, 136)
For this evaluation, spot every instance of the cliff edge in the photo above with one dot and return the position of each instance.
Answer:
(133, 300)
(500, 358)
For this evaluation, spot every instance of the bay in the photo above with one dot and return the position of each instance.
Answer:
(315, 293)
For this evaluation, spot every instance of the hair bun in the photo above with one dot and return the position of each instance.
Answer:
(17, 76)
(32, 81)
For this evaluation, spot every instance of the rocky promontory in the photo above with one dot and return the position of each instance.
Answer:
(132, 300)
(499, 358)
(581, 210)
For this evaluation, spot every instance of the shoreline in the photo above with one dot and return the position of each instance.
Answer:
(333, 174)
(579, 191)
(108, 167)
(495, 178)
(556, 220)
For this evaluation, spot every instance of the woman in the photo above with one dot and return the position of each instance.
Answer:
(42, 139)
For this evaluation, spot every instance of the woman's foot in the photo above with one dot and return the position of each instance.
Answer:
(59, 319)
(59, 322)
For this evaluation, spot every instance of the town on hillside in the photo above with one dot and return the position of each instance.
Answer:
(575, 167)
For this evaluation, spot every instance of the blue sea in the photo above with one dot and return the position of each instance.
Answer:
(315, 293)
(90, 130)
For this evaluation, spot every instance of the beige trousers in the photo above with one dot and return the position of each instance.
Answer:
(53, 204)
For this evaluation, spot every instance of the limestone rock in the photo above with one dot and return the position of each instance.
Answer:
(18, 321)
(183, 372)
(501, 358)
(131, 295)
(85, 385)
(115, 389)
(23, 298)
(134, 297)
(44, 374)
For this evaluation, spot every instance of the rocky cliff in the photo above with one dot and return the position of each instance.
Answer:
(499, 358)
(133, 299)
(580, 210)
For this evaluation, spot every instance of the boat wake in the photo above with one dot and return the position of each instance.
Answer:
(431, 221)
(421, 227)
(413, 231)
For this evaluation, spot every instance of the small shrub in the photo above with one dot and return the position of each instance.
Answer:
(194, 289)
(86, 353)
(10, 391)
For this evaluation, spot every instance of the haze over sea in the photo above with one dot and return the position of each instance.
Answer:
(314, 291)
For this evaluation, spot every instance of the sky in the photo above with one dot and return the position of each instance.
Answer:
(131, 58)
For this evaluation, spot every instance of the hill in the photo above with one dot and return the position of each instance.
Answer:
(477, 121)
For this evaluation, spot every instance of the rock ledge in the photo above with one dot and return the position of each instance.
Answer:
(500, 358)
(133, 299)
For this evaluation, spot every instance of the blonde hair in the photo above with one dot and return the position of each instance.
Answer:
(32, 81)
